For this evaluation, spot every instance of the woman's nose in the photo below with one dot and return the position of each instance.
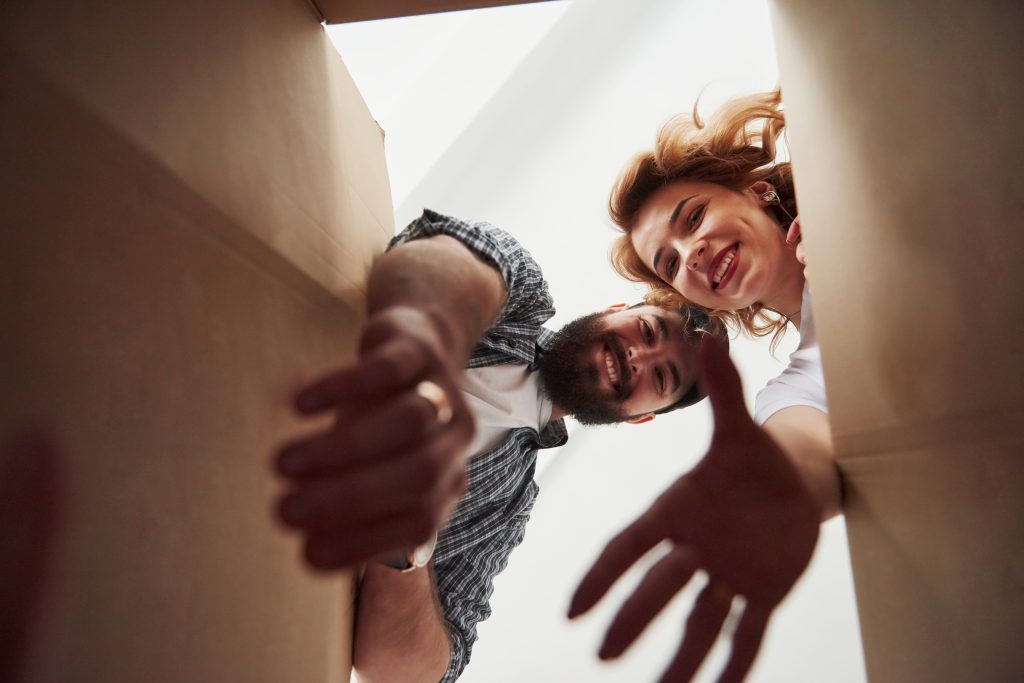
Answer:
(695, 256)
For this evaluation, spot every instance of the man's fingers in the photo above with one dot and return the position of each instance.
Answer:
(721, 381)
(745, 644)
(658, 587)
(392, 366)
(343, 503)
(331, 551)
(702, 627)
(32, 505)
(618, 556)
(407, 422)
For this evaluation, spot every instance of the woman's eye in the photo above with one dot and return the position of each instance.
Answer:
(697, 214)
(672, 267)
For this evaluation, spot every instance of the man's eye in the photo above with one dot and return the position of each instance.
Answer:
(659, 376)
(647, 331)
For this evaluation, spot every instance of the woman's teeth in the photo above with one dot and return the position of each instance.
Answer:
(723, 266)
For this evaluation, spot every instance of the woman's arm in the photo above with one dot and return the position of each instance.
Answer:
(804, 435)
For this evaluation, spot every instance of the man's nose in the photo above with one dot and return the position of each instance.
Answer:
(638, 357)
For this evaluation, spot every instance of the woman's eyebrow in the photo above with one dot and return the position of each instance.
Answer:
(679, 208)
(657, 258)
(671, 221)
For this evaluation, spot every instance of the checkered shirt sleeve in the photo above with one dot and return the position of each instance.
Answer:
(528, 304)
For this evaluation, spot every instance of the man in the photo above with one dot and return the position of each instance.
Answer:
(455, 338)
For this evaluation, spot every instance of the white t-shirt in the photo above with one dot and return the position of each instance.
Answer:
(504, 397)
(802, 382)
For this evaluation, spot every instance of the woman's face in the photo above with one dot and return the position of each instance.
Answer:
(715, 246)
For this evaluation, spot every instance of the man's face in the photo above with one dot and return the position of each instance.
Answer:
(612, 366)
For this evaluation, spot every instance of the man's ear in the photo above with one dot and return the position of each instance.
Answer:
(614, 308)
(759, 188)
(640, 419)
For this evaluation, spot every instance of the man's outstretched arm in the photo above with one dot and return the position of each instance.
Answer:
(441, 278)
(400, 634)
(386, 474)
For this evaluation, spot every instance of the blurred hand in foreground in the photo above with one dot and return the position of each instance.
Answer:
(387, 473)
(31, 506)
(742, 515)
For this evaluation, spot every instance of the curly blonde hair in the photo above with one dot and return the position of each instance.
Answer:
(735, 148)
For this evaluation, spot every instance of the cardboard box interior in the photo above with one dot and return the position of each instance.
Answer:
(341, 11)
(904, 132)
(193, 194)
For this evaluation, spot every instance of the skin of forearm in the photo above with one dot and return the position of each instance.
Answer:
(805, 436)
(442, 278)
(400, 634)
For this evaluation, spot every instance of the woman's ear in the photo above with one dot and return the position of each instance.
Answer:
(615, 308)
(759, 189)
(640, 419)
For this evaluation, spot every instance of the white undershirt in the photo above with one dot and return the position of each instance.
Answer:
(802, 383)
(504, 397)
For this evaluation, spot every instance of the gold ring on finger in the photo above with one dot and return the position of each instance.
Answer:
(436, 397)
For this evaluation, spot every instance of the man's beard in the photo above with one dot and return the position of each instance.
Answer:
(570, 379)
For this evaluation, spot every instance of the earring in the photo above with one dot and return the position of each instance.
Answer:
(771, 198)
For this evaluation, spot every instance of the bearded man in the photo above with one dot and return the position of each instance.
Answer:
(426, 474)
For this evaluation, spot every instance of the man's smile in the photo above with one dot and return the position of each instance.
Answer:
(611, 363)
(612, 360)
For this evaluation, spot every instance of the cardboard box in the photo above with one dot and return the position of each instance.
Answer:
(341, 11)
(904, 126)
(191, 195)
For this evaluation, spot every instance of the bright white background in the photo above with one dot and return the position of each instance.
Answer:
(523, 116)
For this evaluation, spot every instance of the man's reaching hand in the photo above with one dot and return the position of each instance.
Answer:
(387, 473)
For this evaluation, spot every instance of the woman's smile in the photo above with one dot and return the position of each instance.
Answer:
(724, 266)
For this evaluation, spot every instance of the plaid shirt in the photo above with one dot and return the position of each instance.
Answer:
(490, 519)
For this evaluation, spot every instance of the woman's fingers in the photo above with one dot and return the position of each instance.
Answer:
(745, 644)
(793, 234)
(721, 381)
(658, 587)
(618, 556)
(702, 627)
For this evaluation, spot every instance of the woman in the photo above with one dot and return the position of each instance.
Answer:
(709, 217)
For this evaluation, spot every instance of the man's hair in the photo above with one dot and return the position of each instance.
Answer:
(697, 322)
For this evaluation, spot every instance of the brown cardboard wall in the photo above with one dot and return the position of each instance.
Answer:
(247, 102)
(904, 126)
(341, 11)
(190, 199)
